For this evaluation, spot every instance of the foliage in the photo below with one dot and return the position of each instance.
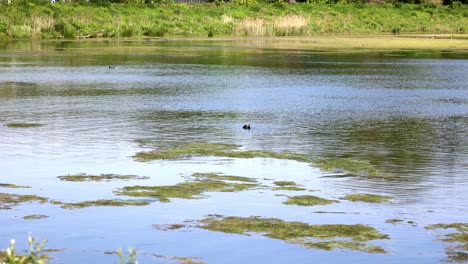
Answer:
(10, 256)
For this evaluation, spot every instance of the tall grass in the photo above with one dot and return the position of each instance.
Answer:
(70, 20)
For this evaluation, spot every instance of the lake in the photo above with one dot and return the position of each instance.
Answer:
(98, 103)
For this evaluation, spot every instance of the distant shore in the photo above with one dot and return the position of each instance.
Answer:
(45, 20)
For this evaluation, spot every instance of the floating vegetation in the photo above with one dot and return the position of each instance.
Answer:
(368, 198)
(168, 227)
(184, 151)
(457, 253)
(298, 232)
(204, 182)
(355, 167)
(9, 185)
(393, 221)
(288, 186)
(82, 177)
(103, 203)
(24, 125)
(7, 200)
(34, 216)
(215, 149)
(217, 176)
(187, 260)
(308, 200)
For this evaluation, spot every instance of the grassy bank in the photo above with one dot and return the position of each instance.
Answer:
(29, 20)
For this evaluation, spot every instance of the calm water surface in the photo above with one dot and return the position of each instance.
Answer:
(404, 111)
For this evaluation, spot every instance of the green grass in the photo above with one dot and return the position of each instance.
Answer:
(85, 204)
(70, 20)
(308, 200)
(97, 178)
(368, 198)
(24, 125)
(296, 232)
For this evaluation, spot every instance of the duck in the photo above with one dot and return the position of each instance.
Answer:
(111, 67)
(246, 126)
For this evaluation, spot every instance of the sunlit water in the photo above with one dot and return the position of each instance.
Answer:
(405, 112)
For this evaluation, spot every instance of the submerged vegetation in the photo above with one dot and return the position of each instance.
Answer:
(459, 252)
(103, 177)
(103, 202)
(7, 200)
(38, 19)
(10, 185)
(35, 216)
(184, 151)
(202, 183)
(299, 233)
(287, 186)
(368, 198)
(23, 125)
(308, 200)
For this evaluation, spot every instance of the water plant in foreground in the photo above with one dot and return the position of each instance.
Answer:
(458, 253)
(352, 237)
(308, 200)
(103, 202)
(33, 256)
(369, 198)
(24, 125)
(7, 200)
(82, 177)
(183, 190)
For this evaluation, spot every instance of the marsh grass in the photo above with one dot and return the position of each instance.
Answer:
(103, 202)
(24, 125)
(98, 178)
(34, 217)
(308, 200)
(368, 198)
(7, 200)
(294, 232)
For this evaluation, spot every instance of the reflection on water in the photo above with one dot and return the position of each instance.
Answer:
(404, 111)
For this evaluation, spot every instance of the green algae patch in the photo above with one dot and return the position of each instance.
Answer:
(183, 190)
(34, 217)
(104, 203)
(98, 178)
(294, 232)
(393, 221)
(368, 198)
(351, 245)
(24, 125)
(308, 200)
(287, 186)
(13, 186)
(217, 176)
(346, 165)
(167, 227)
(7, 200)
(457, 253)
(217, 150)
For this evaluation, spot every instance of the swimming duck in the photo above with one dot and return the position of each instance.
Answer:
(246, 126)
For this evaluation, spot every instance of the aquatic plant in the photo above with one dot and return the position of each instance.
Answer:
(33, 256)
(7, 200)
(23, 125)
(287, 186)
(9, 185)
(217, 176)
(103, 202)
(347, 165)
(34, 216)
(308, 200)
(369, 198)
(298, 232)
(458, 253)
(97, 178)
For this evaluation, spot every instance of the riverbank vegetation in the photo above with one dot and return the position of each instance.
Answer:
(40, 19)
